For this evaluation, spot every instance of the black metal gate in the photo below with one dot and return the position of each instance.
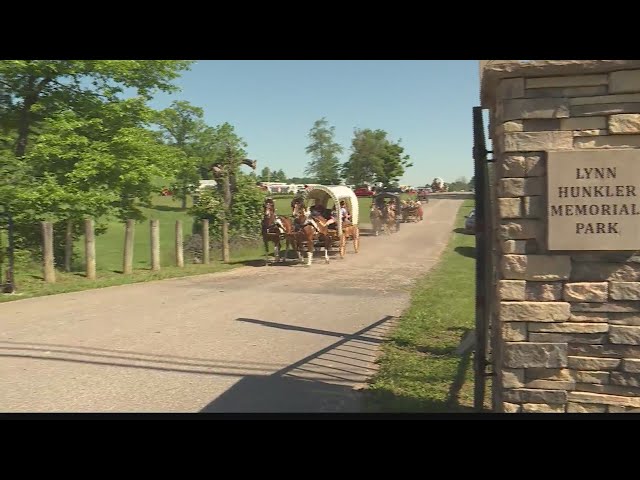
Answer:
(7, 282)
(485, 267)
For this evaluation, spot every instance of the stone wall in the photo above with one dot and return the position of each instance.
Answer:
(567, 323)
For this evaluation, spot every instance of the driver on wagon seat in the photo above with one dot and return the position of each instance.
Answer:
(344, 212)
(317, 210)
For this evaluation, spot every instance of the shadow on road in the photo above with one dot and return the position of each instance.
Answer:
(261, 263)
(284, 394)
(321, 382)
(367, 232)
(292, 260)
(300, 328)
(129, 359)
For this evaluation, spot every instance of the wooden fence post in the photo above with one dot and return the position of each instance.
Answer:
(127, 262)
(179, 244)
(155, 245)
(90, 249)
(205, 241)
(47, 252)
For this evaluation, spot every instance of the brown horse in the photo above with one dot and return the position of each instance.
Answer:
(274, 228)
(353, 232)
(304, 233)
(390, 218)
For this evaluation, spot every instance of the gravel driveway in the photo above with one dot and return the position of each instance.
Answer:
(254, 339)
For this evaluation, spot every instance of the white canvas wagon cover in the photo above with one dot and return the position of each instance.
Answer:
(323, 193)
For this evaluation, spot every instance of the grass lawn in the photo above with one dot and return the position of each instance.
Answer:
(30, 284)
(109, 251)
(419, 371)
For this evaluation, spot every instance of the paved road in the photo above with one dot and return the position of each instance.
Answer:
(255, 339)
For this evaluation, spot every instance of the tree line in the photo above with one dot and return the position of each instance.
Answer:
(461, 184)
(373, 157)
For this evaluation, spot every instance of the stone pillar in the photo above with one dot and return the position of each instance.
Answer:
(567, 323)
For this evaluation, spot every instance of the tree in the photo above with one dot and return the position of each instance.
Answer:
(459, 184)
(182, 127)
(265, 174)
(367, 149)
(253, 177)
(280, 176)
(324, 164)
(393, 164)
(92, 165)
(13, 173)
(32, 89)
(244, 215)
(79, 148)
(302, 180)
(374, 158)
(228, 152)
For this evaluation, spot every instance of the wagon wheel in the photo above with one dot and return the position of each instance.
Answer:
(343, 245)
(356, 239)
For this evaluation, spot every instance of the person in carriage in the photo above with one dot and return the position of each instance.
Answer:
(317, 210)
(344, 214)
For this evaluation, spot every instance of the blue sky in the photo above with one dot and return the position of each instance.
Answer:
(273, 104)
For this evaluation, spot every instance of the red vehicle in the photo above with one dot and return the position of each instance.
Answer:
(363, 192)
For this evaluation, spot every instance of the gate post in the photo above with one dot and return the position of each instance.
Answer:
(484, 257)
(565, 334)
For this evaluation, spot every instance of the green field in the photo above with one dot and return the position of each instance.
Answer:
(419, 371)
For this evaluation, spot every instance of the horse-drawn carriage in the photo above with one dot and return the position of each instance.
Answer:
(318, 225)
(385, 213)
(423, 195)
(411, 211)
